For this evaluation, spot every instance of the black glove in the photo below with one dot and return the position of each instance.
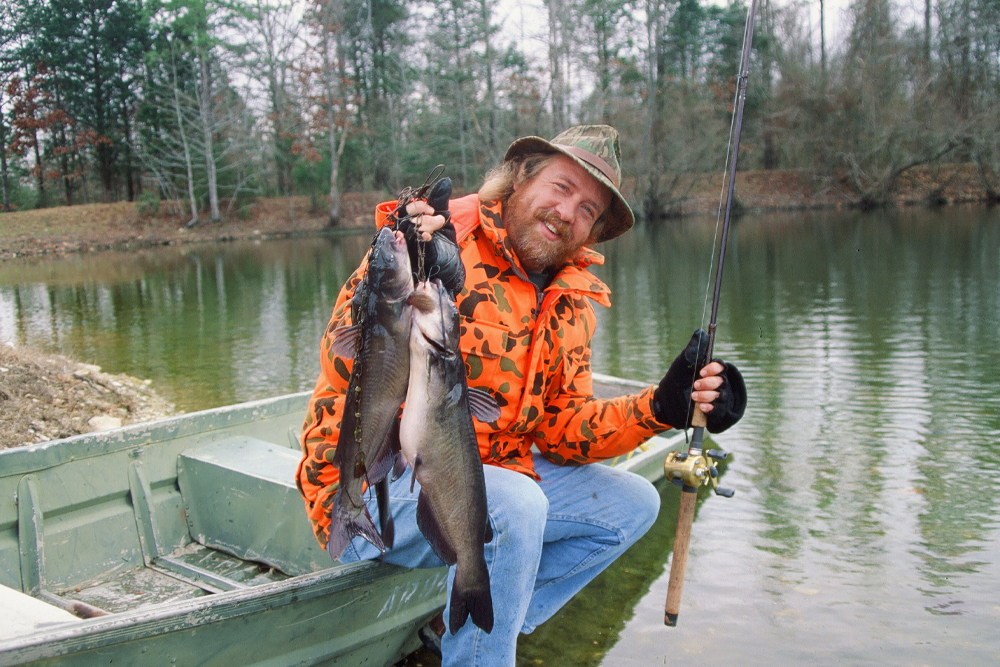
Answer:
(442, 258)
(672, 400)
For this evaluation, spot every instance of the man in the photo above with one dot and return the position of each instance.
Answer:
(527, 325)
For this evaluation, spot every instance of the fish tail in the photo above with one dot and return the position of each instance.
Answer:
(348, 523)
(471, 598)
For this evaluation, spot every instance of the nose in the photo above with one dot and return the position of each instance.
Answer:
(565, 210)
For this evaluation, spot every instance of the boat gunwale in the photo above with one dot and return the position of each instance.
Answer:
(24, 460)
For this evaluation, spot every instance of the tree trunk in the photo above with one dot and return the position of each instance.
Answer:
(555, 65)
(4, 178)
(39, 172)
(603, 65)
(64, 166)
(460, 94)
(486, 15)
(187, 156)
(205, 108)
(822, 39)
(654, 71)
(328, 85)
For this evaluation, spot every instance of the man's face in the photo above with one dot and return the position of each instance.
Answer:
(549, 218)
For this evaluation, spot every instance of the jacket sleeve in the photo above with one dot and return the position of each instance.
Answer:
(578, 428)
(317, 476)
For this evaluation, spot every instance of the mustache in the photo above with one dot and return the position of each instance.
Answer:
(553, 219)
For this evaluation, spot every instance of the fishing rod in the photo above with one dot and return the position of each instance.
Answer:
(696, 468)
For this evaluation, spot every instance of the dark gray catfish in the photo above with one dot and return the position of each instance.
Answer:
(378, 341)
(439, 441)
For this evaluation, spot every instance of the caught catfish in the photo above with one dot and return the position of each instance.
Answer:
(378, 341)
(439, 441)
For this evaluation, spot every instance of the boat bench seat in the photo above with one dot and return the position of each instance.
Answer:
(240, 497)
(22, 615)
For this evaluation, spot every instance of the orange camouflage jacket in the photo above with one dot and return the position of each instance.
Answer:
(529, 349)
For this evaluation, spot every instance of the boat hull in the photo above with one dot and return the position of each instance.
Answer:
(186, 541)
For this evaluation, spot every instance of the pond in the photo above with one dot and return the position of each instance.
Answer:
(867, 469)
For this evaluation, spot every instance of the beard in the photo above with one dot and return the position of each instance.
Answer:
(535, 251)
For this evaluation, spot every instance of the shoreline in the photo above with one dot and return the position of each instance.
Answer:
(120, 226)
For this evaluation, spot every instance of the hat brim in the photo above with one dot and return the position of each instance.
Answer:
(619, 214)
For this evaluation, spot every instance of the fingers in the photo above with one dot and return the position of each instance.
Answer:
(423, 219)
(704, 399)
(705, 388)
(713, 368)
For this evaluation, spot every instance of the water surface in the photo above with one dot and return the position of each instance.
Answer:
(867, 469)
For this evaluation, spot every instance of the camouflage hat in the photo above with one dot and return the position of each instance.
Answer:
(595, 148)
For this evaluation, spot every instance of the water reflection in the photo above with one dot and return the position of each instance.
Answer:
(867, 478)
(867, 470)
(209, 324)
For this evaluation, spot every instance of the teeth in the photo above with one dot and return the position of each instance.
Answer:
(551, 229)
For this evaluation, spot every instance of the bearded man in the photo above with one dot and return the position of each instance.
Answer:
(527, 322)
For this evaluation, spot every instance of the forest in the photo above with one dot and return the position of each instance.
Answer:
(209, 105)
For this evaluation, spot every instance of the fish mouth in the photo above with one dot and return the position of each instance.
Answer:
(429, 317)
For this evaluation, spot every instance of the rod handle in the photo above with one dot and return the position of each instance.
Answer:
(699, 418)
(678, 565)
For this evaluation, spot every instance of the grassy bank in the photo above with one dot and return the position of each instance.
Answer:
(89, 227)
(101, 226)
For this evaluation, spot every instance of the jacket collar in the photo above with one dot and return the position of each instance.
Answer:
(571, 277)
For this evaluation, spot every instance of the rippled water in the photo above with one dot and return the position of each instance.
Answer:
(867, 469)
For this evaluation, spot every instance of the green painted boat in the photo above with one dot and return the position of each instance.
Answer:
(184, 542)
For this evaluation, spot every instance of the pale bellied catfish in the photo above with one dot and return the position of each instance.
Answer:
(378, 341)
(439, 441)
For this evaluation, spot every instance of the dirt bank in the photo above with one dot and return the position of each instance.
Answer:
(775, 190)
(45, 397)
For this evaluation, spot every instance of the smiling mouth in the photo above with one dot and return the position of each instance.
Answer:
(552, 227)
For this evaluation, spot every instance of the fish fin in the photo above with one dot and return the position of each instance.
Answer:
(396, 449)
(488, 533)
(399, 467)
(431, 529)
(344, 341)
(483, 406)
(346, 525)
(471, 598)
(385, 523)
(345, 440)
(381, 468)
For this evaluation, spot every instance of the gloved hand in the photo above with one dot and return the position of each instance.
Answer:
(672, 402)
(430, 222)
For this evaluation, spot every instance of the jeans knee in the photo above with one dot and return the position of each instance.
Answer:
(643, 501)
(518, 513)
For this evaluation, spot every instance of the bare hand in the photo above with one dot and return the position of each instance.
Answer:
(424, 220)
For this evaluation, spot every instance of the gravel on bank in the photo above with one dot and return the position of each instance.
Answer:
(46, 397)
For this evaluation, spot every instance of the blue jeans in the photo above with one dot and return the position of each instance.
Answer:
(550, 539)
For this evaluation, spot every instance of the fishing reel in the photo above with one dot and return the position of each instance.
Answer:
(690, 470)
